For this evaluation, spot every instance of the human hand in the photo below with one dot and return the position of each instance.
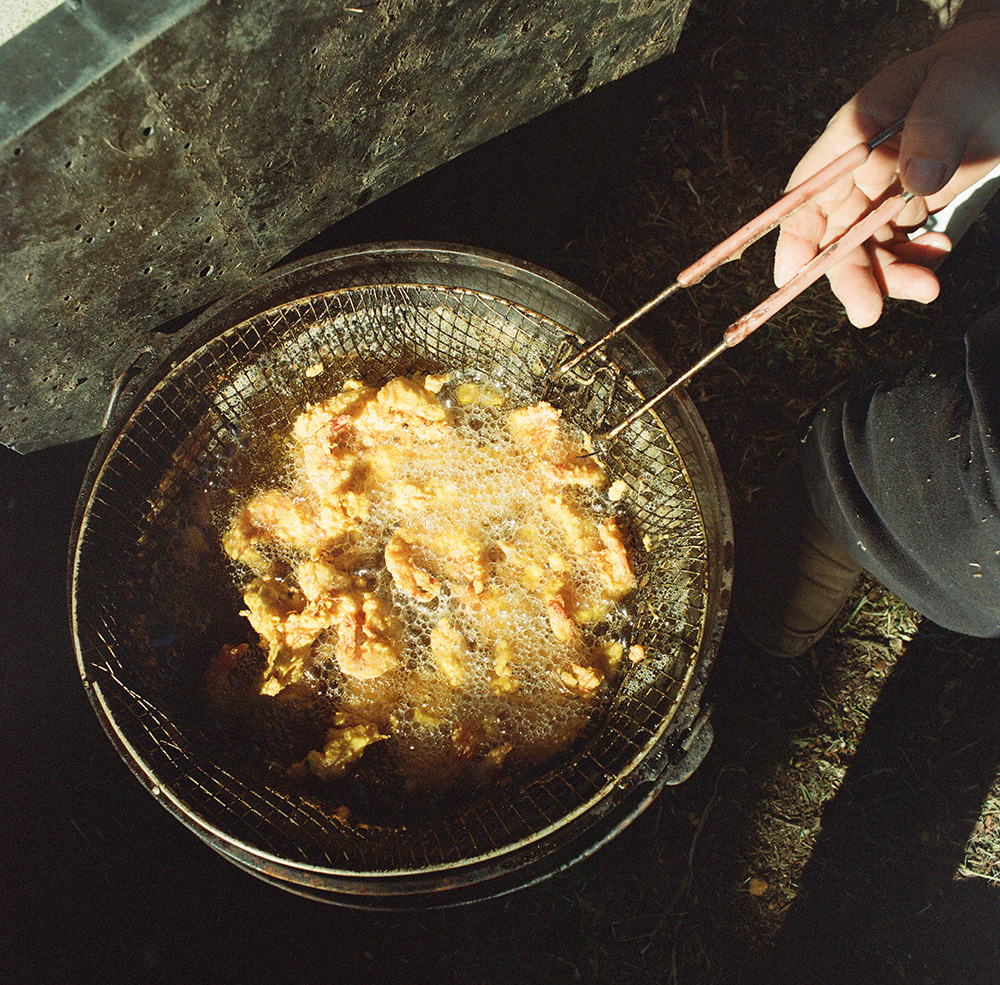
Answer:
(950, 96)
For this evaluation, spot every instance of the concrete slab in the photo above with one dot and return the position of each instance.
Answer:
(206, 146)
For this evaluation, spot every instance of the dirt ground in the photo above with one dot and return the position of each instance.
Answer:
(845, 825)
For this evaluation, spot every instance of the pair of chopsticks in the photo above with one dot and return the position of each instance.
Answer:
(732, 249)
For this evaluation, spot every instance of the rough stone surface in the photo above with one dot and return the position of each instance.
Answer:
(237, 134)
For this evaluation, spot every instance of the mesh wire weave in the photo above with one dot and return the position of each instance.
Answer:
(141, 627)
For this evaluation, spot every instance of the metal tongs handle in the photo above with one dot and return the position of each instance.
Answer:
(732, 248)
(752, 320)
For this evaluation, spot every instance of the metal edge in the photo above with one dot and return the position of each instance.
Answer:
(70, 48)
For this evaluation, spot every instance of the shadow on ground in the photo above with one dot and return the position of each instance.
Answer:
(880, 898)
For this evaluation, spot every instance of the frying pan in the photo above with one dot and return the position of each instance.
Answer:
(151, 598)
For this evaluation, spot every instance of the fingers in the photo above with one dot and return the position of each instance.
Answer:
(897, 268)
(805, 233)
(854, 283)
(798, 242)
(903, 279)
(950, 96)
(928, 250)
(891, 265)
(938, 129)
(847, 127)
(903, 271)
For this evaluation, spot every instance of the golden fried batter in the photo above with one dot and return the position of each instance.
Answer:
(449, 562)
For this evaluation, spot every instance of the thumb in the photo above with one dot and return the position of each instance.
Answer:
(946, 113)
(930, 161)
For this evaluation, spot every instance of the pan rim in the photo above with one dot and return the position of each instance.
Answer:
(148, 775)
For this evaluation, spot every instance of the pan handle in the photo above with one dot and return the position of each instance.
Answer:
(695, 746)
(131, 369)
(684, 754)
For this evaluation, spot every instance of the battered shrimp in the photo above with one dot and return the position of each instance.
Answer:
(288, 624)
(614, 561)
(563, 627)
(537, 431)
(329, 465)
(420, 559)
(535, 428)
(406, 410)
(343, 746)
(366, 636)
(321, 579)
(275, 515)
(582, 680)
(598, 543)
(450, 650)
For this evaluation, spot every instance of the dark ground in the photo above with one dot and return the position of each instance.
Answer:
(845, 825)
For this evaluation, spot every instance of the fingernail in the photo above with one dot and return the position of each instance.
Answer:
(922, 175)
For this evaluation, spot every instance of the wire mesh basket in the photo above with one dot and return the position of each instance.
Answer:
(146, 612)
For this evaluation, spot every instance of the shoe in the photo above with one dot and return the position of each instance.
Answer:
(791, 578)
